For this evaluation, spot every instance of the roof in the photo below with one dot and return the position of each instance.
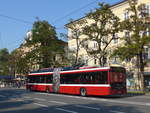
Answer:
(118, 3)
(66, 70)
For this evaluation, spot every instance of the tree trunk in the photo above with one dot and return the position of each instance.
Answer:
(77, 52)
(141, 71)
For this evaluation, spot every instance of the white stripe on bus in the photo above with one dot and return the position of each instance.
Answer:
(38, 84)
(94, 85)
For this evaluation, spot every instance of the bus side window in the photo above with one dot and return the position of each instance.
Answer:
(49, 79)
(32, 79)
(82, 78)
(95, 77)
(62, 79)
(102, 77)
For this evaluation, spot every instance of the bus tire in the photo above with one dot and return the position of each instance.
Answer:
(48, 90)
(83, 92)
(30, 88)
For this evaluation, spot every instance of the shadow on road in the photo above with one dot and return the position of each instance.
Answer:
(8, 106)
(74, 108)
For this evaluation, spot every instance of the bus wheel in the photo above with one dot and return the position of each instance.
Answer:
(30, 89)
(83, 92)
(48, 90)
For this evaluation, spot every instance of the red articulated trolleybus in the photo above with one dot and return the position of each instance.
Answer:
(82, 81)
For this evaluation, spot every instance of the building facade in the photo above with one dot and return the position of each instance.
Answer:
(60, 57)
(120, 10)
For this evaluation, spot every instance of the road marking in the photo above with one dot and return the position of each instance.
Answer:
(58, 102)
(27, 97)
(82, 106)
(2, 96)
(66, 110)
(117, 111)
(19, 100)
(16, 99)
(42, 105)
(96, 99)
(147, 104)
(39, 99)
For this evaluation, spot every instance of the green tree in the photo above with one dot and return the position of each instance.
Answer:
(138, 24)
(4, 58)
(44, 44)
(102, 29)
(18, 62)
(76, 33)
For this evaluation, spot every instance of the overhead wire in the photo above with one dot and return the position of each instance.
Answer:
(15, 19)
(72, 12)
(55, 21)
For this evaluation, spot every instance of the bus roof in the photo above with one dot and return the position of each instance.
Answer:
(72, 71)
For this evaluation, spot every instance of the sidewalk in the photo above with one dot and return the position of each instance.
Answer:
(137, 93)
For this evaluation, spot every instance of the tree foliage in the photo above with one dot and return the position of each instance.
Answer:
(138, 24)
(101, 30)
(4, 59)
(76, 31)
(44, 44)
(18, 63)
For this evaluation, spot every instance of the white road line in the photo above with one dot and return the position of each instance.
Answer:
(19, 100)
(27, 97)
(42, 105)
(58, 102)
(147, 104)
(16, 99)
(82, 106)
(66, 110)
(2, 96)
(39, 99)
(96, 99)
(116, 111)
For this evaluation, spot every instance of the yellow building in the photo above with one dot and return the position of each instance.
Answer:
(120, 10)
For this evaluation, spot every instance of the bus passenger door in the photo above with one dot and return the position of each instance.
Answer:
(56, 80)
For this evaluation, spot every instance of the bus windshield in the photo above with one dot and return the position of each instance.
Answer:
(117, 74)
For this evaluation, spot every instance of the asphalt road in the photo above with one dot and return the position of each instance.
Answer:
(21, 101)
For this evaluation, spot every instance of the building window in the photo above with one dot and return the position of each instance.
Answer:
(143, 11)
(115, 38)
(144, 33)
(127, 36)
(148, 10)
(146, 53)
(126, 15)
(128, 59)
(86, 60)
(85, 44)
(95, 45)
(115, 60)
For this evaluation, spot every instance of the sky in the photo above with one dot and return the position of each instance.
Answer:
(18, 16)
